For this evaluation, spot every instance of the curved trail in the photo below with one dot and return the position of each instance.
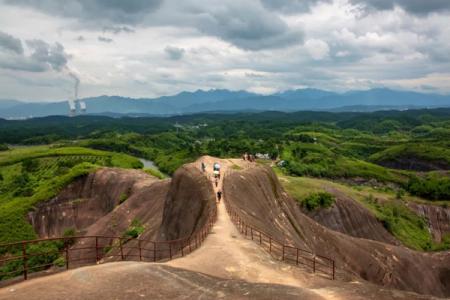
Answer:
(227, 254)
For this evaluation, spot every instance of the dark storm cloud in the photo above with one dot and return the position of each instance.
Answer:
(104, 39)
(95, 11)
(43, 56)
(10, 43)
(419, 7)
(292, 6)
(52, 55)
(21, 63)
(174, 53)
(247, 25)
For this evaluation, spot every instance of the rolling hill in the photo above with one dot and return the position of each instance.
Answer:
(232, 101)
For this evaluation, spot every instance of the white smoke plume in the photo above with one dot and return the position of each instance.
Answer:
(76, 84)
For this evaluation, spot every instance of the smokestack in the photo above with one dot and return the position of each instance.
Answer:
(83, 106)
(72, 108)
(72, 102)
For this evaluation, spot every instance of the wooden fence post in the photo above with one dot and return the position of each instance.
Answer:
(67, 256)
(96, 249)
(140, 250)
(333, 270)
(314, 264)
(24, 261)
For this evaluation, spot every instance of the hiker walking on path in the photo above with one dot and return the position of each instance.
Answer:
(216, 170)
(219, 195)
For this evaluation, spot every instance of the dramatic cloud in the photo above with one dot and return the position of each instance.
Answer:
(167, 46)
(420, 7)
(95, 11)
(104, 39)
(52, 55)
(43, 56)
(174, 53)
(247, 25)
(292, 6)
(10, 43)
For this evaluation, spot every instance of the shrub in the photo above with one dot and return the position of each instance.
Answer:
(123, 197)
(318, 200)
(400, 193)
(30, 165)
(135, 229)
(432, 186)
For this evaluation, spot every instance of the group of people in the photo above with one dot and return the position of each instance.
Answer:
(248, 157)
(216, 173)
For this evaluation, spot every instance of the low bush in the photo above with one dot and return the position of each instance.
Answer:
(135, 229)
(433, 186)
(318, 200)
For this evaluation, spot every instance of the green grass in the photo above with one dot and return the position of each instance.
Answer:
(156, 173)
(398, 219)
(319, 161)
(30, 175)
(34, 174)
(13, 224)
(423, 152)
(20, 154)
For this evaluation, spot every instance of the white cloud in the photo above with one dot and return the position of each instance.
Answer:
(259, 46)
(318, 49)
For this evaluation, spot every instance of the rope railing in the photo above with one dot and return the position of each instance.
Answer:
(25, 257)
(281, 251)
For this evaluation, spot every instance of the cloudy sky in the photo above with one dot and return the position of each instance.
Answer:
(147, 48)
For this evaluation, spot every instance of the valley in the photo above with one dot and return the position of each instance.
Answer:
(379, 193)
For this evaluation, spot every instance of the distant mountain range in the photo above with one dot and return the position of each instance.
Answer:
(232, 101)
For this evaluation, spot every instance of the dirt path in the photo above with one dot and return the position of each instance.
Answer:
(226, 254)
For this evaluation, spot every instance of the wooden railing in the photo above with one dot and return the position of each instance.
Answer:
(282, 251)
(25, 257)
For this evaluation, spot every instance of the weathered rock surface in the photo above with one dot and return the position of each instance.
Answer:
(350, 217)
(438, 218)
(86, 200)
(129, 280)
(189, 203)
(257, 193)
